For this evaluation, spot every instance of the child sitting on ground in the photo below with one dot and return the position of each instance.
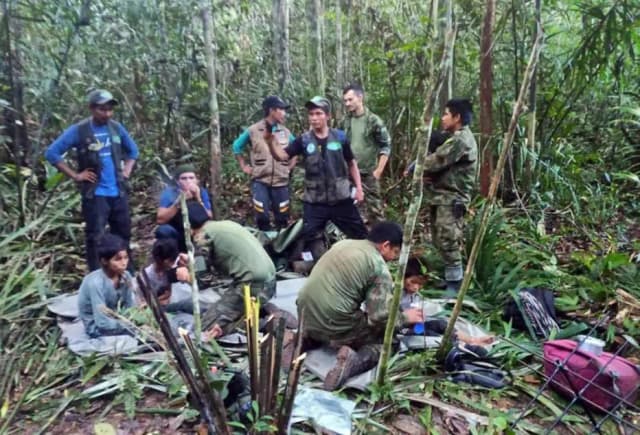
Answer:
(110, 287)
(414, 279)
(168, 267)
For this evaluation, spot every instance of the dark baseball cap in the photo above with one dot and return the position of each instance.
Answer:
(100, 96)
(274, 102)
(318, 102)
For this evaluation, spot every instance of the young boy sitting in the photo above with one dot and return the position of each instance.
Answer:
(168, 267)
(110, 287)
(413, 282)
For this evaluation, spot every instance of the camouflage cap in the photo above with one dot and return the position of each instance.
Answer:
(318, 102)
(100, 96)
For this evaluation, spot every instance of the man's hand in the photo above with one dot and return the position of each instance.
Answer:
(414, 315)
(377, 173)
(214, 332)
(183, 275)
(359, 195)
(86, 175)
(247, 169)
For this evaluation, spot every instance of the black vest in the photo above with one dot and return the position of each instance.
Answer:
(326, 178)
(90, 159)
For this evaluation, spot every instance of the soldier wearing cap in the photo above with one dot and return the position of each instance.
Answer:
(106, 155)
(329, 164)
(269, 177)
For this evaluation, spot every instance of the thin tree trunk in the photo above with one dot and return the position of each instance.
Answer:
(412, 214)
(531, 124)
(280, 31)
(214, 121)
(347, 42)
(486, 96)
(491, 198)
(340, 82)
(316, 18)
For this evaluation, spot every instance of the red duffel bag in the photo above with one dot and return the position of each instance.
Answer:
(612, 377)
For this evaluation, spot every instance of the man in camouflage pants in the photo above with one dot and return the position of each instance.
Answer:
(351, 273)
(450, 174)
(371, 146)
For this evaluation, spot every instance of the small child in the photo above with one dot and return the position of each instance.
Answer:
(413, 281)
(168, 267)
(110, 286)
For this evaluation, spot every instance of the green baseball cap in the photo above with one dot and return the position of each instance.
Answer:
(100, 96)
(318, 102)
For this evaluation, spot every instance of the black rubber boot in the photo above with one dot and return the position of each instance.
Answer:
(452, 288)
(350, 363)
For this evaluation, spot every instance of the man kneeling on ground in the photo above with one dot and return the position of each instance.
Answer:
(233, 251)
(110, 287)
(351, 273)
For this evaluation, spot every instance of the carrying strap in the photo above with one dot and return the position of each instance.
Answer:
(476, 368)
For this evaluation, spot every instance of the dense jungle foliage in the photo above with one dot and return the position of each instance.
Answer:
(569, 214)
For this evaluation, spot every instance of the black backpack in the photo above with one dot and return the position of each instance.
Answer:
(532, 310)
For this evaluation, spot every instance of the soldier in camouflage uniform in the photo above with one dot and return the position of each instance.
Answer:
(450, 174)
(371, 146)
(351, 273)
(233, 251)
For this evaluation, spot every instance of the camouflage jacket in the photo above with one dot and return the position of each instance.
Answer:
(452, 169)
(351, 273)
(376, 140)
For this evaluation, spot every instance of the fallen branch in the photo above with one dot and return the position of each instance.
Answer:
(471, 417)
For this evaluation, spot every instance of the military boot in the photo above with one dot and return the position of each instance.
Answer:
(453, 276)
(350, 363)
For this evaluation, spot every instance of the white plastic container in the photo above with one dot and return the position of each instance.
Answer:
(590, 344)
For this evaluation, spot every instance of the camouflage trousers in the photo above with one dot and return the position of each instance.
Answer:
(230, 308)
(360, 335)
(371, 208)
(447, 233)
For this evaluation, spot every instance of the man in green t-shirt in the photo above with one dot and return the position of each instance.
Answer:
(350, 274)
(233, 251)
(371, 146)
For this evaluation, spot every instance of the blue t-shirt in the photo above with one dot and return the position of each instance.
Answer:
(107, 179)
(170, 194)
(241, 141)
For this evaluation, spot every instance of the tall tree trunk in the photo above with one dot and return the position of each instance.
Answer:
(339, 82)
(315, 15)
(14, 119)
(214, 121)
(347, 43)
(531, 124)
(486, 96)
(280, 31)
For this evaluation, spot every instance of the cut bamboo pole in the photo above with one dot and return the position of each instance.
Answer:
(195, 291)
(288, 399)
(219, 412)
(491, 198)
(414, 208)
(182, 364)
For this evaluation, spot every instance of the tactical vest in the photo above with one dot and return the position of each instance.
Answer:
(266, 169)
(90, 159)
(326, 178)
